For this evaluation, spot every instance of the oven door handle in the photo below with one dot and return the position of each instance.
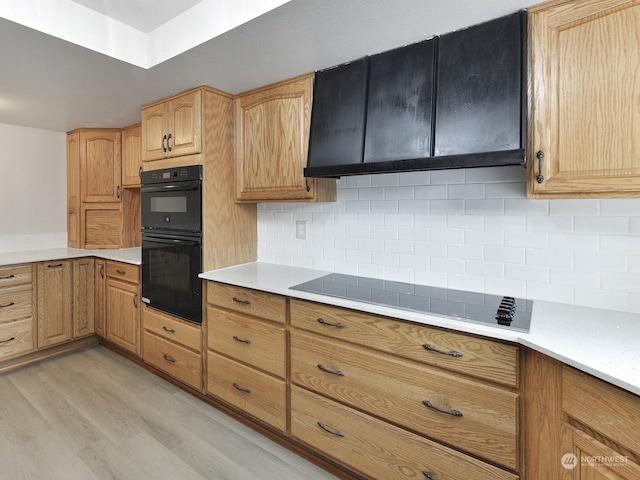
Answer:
(174, 187)
(172, 239)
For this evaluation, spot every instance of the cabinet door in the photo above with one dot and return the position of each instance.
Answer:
(54, 302)
(184, 124)
(479, 82)
(100, 296)
(586, 121)
(123, 314)
(101, 225)
(154, 134)
(73, 189)
(131, 156)
(83, 297)
(400, 104)
(272, 131)
(100, 167)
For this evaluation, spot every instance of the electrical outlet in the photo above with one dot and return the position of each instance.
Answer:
(301, 229)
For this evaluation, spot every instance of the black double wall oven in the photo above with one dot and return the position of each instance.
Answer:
(171, 211)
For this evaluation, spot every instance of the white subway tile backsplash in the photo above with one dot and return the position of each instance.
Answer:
(471, 229)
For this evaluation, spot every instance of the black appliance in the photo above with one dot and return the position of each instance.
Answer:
(171, 213)
(482, 308)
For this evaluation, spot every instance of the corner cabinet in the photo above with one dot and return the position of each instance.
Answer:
(585, 127)
(271, 144)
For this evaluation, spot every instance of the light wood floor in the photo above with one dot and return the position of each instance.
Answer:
(95, 415)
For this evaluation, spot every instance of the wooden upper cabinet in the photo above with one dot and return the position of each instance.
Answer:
(100, 165)
(131, 155)
(585, 128)
(173, 127)
(271, 144)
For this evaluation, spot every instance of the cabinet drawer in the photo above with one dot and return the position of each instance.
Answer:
(15, 302)
(173, 359)
(261, 304)
(123, 271)
(474, 417)
(16, 338)
(253, 392)
(260, 344)
(603, 407)
(459, 352)
(173, 329)
(15, 275)
(375, 448)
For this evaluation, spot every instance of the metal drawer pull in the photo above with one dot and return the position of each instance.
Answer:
(339, 373)
(241, 302)
(455, 413)
(238, 387)
(168, 358)
(54, 266)
(329, 324)
(7, 341)
(170, 330)
(337, 433)
(238, 339)
(121, 272)
(7, 277)
(453, 353)
(7, 304)
(428, 474)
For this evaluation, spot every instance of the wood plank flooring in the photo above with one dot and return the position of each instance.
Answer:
(95, 415)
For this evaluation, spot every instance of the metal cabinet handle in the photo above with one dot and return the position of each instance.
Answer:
(453, 353)
(337, 433)
(241, 302)
(118, 192)
(168, 358)
(121, 272)
(54, 266)
(102, 271)
(140, 171)
(238, 339)
(169, 142)
(9, 340)
(329, 324)
(540, 156)
(7, 277)
(338, 373)
(7, 304)
(135, 300)
(428, 474)
(170, 330)
(164, 139)
(454, 413)
(238, 387)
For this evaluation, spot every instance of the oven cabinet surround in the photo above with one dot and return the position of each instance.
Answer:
(173, 346)
(17, 310)
(123, 306)
(271, 142)
(583, 66)
(131, 156)
(247, 352)
(578, 427)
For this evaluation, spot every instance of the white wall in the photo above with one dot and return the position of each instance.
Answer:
(467, 229)
(33, 188)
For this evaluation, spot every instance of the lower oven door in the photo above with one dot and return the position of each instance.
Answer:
(171, 264)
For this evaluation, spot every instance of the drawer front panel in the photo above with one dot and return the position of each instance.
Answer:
(481, 419)
(16, 338)
(184, 333)
(256, 393)
(375, 448)
(123, 271)
(173, 359)
(15, 303)
(602, 407)
(248, 340)
(15, 275)
(252, 302)
(459, 352)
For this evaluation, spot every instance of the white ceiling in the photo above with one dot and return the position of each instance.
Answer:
(92, 63)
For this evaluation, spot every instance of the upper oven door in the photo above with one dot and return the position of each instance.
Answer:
(172, 206)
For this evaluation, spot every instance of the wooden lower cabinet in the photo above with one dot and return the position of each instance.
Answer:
(54, 294)
(83, 297)
(100, 289)
(123, 306)
(378, 449)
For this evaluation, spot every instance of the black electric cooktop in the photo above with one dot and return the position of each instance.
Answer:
(482, 308)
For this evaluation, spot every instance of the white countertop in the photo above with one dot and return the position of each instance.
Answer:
(603, 343)
(125, 255)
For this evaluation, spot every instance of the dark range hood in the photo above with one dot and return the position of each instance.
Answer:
(454, 101)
